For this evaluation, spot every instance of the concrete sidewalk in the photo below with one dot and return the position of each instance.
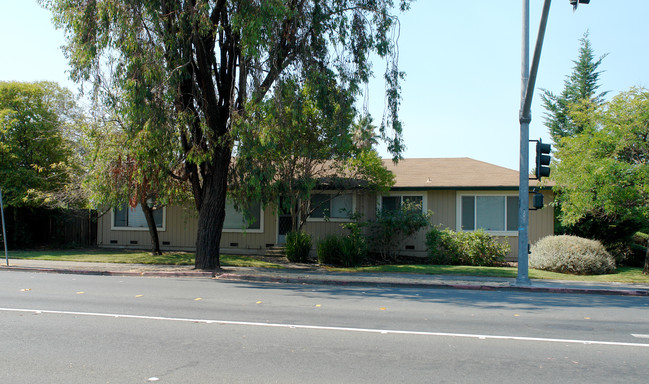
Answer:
(307, 274)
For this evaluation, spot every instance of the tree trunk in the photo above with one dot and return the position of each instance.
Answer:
(295, 212)
(211, 213)
(153, 230)
(645, 270)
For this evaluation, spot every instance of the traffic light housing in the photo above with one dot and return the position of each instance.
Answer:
(575, 2)
(537, 200)
(542, 159)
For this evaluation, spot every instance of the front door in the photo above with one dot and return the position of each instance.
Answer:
(283, 227)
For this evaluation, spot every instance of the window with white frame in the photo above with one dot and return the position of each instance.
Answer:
(393, 203)
(126, 217)
(235, 220)
(331, 206)
(492, 213)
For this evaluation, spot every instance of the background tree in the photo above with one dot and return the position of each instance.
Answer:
(41, 164)
(301, 139)
(39, 125)
(604, 172)
(215, 60)
(579, 91)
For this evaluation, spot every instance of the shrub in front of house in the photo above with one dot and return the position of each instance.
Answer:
(328, 250)
(477, 248)
(353, 250)
(571, 254)
(341, 251)
(298, 246)
(392, 228)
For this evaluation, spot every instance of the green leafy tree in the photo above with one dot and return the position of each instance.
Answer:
(302, 139)
(121, 174)
(214, 61)
(39, 156)
(604, 172)
(133, 157)
(580, 91)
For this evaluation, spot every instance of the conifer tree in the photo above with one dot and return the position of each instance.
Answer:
(579, 93)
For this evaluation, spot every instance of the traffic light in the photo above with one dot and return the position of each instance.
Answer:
(542, 159)
(574, 3)
(537, 200)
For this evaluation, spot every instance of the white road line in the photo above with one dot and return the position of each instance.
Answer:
(640, 336)
(326, 328)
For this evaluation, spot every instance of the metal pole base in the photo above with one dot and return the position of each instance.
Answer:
(523, 282)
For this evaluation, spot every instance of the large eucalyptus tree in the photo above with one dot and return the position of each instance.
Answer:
(211, 61)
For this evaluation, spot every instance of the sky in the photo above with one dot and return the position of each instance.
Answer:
(462, 60)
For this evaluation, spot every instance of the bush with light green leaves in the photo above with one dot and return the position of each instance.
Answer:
(476, 248)
(571, 254)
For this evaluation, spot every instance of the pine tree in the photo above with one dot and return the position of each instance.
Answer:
(579, 92)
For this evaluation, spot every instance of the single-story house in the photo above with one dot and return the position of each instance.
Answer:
(464, 194)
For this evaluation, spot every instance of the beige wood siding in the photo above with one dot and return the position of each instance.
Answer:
(541, 224)
(364, 203)
(367, 205)
(180, 233)
(442, 204)
(181, 226)
(251, 240)
(542, 220)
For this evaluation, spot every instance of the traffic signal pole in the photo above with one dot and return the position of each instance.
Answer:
(4, 231)
(522, 277)
(528, 80)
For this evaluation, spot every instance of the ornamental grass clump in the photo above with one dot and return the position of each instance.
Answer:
(571, 254)
(341, 251)
(298, 246)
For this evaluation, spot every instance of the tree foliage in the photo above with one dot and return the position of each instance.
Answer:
(211, 62)
(128, 169)
(604, 172)
(392, 228)
(579, 92)
(301, 139)
(40, 155)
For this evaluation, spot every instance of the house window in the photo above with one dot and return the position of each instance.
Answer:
(126, 217)
(393, 203)
(492, 213)
(236, 221)
(331, 206)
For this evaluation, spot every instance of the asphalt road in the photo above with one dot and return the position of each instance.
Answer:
(97, 329)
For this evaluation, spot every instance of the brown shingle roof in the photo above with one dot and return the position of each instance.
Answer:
(452, 173)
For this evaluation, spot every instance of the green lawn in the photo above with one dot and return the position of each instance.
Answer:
(623, 275)
(134, 257)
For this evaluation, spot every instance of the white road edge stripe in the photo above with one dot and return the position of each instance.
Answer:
(325, 328)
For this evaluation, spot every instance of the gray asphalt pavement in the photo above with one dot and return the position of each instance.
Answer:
(306, 274)
(69, 328)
